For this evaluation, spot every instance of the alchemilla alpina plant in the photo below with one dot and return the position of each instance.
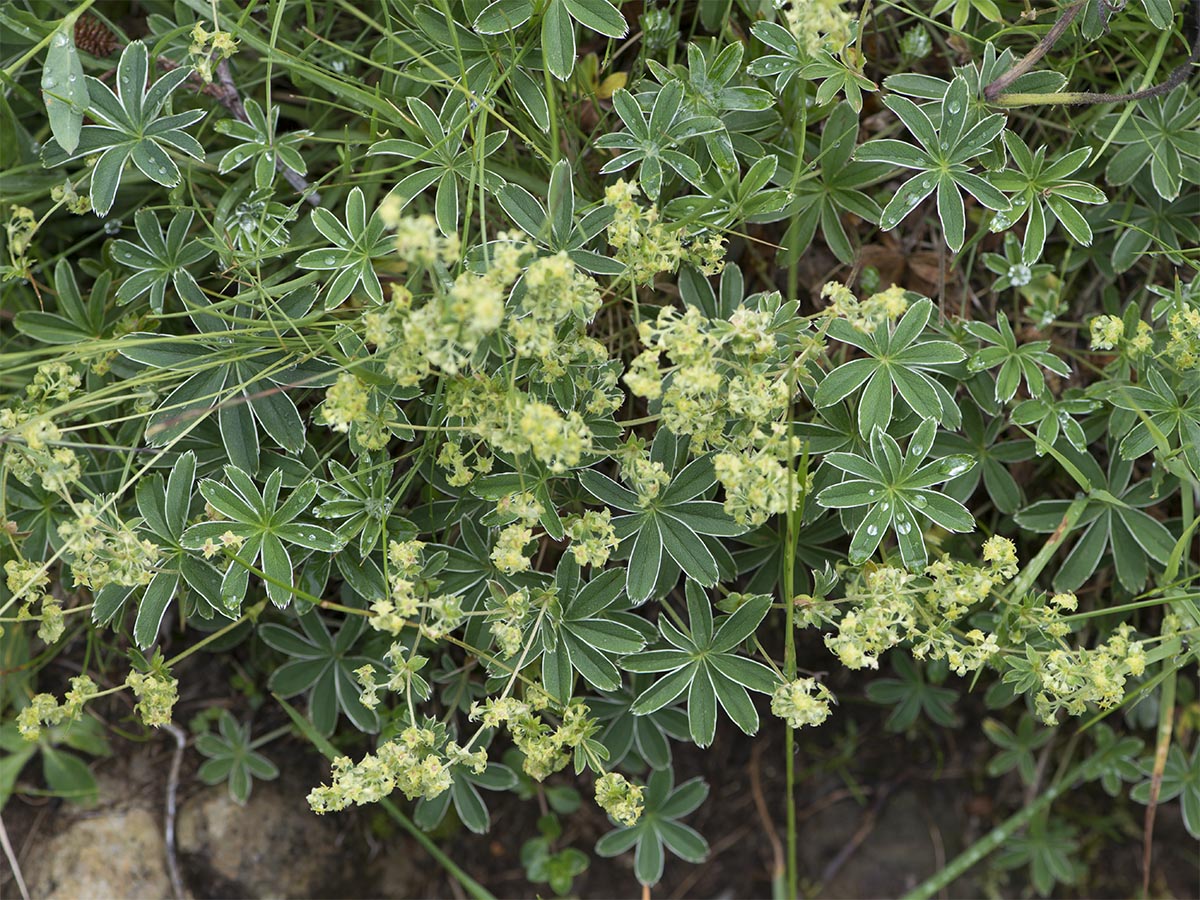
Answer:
(523, 393)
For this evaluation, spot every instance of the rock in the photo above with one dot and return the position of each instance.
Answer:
(274, 846)
(117, 853)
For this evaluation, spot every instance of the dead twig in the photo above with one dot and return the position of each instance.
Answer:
(760, 804)
(169, 827)
(224, 90)
(12, 861)
(232, 101)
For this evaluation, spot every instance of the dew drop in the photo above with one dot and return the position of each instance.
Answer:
(945, 146)
(885, 506)
(60, 40)
(330, 260)
(918, 449)
(872, 530)
(1019, 275)
(48, 82)
(836, 144)
(926, 184)
(904, 526)
(953, 108)
(919, 501)
(112, 226)
(871, 492)
(162, 170)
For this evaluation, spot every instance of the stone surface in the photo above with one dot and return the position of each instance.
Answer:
(272, 847)
(114, 853)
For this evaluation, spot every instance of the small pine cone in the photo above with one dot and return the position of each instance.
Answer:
(94, 37)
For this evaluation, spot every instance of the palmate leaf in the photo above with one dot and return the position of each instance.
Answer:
(356, 244)
(658, 829)
(581, 635)
(231, 758)
(161, 259)
(941, 160)
(322, 664)
(259, 140)
(1016, 361)
(702, 663)
(131, 129)
(652, 137)
(895, 490)
(671, 526)
(1114, 519)
(898, 363)
(266, 529)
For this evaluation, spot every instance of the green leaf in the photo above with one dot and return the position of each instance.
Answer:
(598, 15)
(686, 548)
(64, 88)
(558, 40)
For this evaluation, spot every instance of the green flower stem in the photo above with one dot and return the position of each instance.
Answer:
(41, 45)
(994, 839)
(465, 881)
(1024, 581)
(251, 613)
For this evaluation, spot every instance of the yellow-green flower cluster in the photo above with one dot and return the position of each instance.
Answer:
(19, 230)
(727, 384)
(514, 422)
(1072, 680)
(1001, 553)
(104, 551)
(33, 454)
(883, 613)
(888, 605)
(1183, 343)
(391, 614)
(865, 315)
(443, 332)
(553, 292)
(719, 373)
(647, 246)
(1107, 332)
(345, 403)
(757, 484)
(509, 552)
(817, 24)
(413, 764)
(209, 48)
(619, 798)
(28, 582)
(53, 382)
(44, 711)
(453, 460)
(593, 538)
(546, 748)
(157, 693)
(411, 597)
(508, 613)
(801, 702)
